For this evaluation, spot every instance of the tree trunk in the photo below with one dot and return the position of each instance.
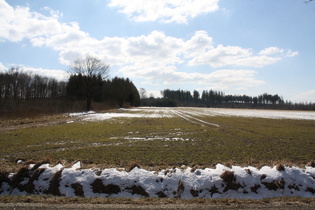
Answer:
(88, 103)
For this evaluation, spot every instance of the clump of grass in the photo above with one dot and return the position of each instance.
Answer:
(55, 183)
(38, 164)
(311, 164)
(280, 167)
(17, 178)
(133, 165)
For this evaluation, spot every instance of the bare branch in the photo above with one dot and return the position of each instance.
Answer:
(90, 66)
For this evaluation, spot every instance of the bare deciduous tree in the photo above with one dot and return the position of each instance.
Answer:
(143, 93)
(89, 67)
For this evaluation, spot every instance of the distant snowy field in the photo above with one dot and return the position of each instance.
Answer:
(170, 112)
(272, 114)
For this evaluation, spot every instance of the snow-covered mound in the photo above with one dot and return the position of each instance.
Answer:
(186, 183)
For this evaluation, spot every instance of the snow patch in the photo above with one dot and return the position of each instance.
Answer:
(270, 114)
(127, 113)
(188, 113)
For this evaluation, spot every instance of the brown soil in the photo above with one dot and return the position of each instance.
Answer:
(41, 121)
(36, 202)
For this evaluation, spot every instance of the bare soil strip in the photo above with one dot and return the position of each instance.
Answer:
(162, 204)
(12, 125)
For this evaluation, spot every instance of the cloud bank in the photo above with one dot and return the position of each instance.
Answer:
(154, 57)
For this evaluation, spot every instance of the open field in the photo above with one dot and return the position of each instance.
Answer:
(161, 152)
(166, 137)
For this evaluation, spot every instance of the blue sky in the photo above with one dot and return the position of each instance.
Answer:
(239, 47)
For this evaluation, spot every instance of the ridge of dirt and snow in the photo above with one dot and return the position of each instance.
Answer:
(187, 183)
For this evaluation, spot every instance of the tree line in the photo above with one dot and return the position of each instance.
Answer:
(214, 98)
(22, 93)
(16, 84)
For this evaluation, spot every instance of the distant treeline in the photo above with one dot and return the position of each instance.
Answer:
(26, 94)
(22, 93)
(213, 98)
(15, 85)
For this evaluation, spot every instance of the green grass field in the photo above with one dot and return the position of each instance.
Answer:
(165, 142)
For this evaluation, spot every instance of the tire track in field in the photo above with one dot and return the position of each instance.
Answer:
(192, 119)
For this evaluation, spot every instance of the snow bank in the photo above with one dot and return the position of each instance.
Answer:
(220, 182)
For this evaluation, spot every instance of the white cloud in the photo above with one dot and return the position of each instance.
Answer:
(308, 96)
(221, 56)
(271, 51)
(165, 10)
(199, 43)
(19, 23)
(2, 67)
(170, 75)
(51, 73)
(156, 45)
(71, 35)
(290, 53)
(278, 52)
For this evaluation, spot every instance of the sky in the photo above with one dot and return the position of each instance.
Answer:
(239, 47)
